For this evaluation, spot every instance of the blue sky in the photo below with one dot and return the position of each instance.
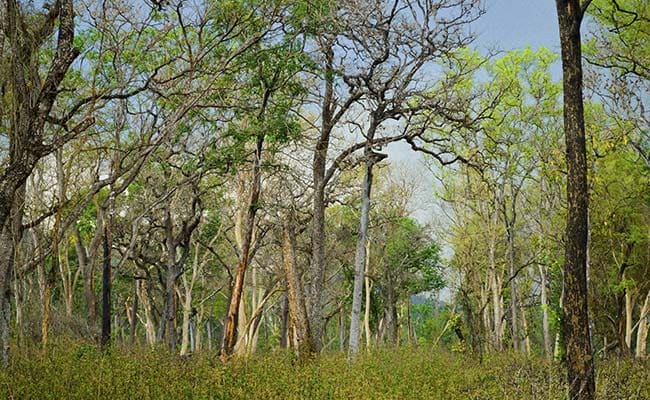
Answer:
(512, 24)
(507, 25)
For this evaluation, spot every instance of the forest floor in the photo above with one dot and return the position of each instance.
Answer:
(80, 372)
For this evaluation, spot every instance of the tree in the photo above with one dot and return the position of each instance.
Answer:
(32, 100)
(580, 364)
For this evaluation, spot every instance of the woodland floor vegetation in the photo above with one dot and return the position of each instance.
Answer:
(76, 370)
(238, 198)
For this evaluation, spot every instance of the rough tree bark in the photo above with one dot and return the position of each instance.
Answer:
(580, 365)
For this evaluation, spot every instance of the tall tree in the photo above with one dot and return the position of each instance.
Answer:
(32, 100)
(580, 364)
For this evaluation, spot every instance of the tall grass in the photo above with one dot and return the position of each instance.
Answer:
(79, 371)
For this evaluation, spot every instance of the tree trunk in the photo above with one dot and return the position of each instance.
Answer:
(134, 311)
(629, 319)
(295, 298)
(86, 261)
(32, 99)
(642, 330)
(6, 273)
(284, 325)
(360, 260)
(167, 329)
(545, 321)
(149, 325)
(513, 304)
(50, 281)
(495, 285)
(524, 327)
(390, 315)
(317, 271)
(106, 289)
(366, 315)
(230, 329)
(580, 366)
(557, 350)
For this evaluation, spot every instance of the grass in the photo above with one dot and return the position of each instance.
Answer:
(78, 371)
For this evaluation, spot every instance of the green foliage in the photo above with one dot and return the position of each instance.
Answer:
(74, 371)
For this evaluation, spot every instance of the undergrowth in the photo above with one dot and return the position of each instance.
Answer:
(79, 371)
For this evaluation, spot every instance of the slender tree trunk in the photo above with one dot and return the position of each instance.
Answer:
(317, 271)
(134, 312)
(360, 261)
(50, 281)
(390, 315)
(284, 324)
(230, 330)
(514, 303)
(485, 314)
(106, 288)
(495, 285)
(409, 325)
(545, 321)
(6, 274)
(167, 328)
(187, 315)
(366, 315)
(525, 337)
(580, 365)
(497, 305)
(520, 336)
(629, 319)
(557, 350)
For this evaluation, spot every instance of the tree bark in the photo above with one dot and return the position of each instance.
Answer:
(366, 316)
(106, 287)
(629, 319)
(134, 312)
(295, 298)
(149, 325)
(545, 321)
(6, 274)
(360, 260)
(230, 330)
(580, 366)
(642, 330)
(514, 304)
(317, 270)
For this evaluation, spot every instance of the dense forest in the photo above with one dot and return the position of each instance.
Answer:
(216, 181)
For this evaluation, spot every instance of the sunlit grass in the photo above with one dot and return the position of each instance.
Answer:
(77, 371)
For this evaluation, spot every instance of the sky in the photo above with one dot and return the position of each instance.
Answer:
(506, 25)
(512, 24)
